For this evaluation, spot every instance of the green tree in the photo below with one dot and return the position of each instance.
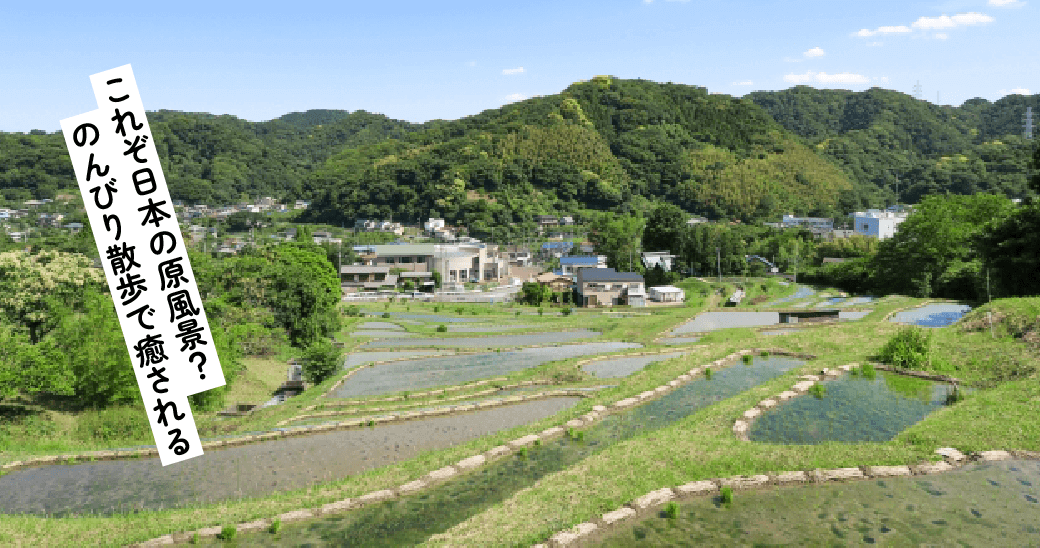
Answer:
(32, 285)
(1010, 248)
(305, 292)
(663, 228)
(617, 237)
(321, 359)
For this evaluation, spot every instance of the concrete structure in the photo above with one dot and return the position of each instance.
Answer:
(653, 258)
(456, 263)
(607, 287)
(667, 294)
(878, 224)
(821, 223)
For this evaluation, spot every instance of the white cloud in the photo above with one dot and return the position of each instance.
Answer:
(1006, 3)
(815, 52)
(512, 71)
(941, 35)
(1020, 91)
(947, 22)
(824, 78)
(890, 29)
(744, 83)
(514, 97)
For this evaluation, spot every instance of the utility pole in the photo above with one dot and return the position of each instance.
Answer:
(796, 261)
(718, 263)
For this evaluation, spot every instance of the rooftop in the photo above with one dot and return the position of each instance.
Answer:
(607, 275)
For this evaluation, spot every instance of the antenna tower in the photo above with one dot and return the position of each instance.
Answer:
(917, 90)
(1028, 133)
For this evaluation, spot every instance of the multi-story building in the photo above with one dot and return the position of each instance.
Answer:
(877, 223)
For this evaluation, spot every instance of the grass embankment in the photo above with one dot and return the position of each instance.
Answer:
(702, 445)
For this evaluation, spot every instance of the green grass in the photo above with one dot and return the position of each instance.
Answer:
(1000, 413)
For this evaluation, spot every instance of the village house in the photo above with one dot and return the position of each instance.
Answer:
(555, 282)
(458, 263)
(607, 287)
(653, 258)
(666, 294)
(879, 224)
(569, 266)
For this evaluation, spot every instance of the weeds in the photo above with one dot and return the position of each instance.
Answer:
(868, 371)
(818, 390)
(707, 373)
(671, 510)
(276, 526)
(727, 496)
(442, 328)
(746, 358)
(907, 349)
(227, 533)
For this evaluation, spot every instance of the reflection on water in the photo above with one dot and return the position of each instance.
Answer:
(251, 470)
(932, 315)
(623, 367)
(448, 370)
(485, 342)
(854, 409)
(411, 520)
(985, 504)
(711, 321)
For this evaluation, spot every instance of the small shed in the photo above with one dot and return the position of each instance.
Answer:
(667, 294)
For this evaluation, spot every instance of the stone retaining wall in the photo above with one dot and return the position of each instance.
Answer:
(474, 461)
(583, 533)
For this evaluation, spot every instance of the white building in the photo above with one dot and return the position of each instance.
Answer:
(667, 294)
(878, 224)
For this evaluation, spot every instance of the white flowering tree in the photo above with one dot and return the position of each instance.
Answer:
(34, 287)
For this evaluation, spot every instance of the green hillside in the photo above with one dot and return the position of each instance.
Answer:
(888, 141)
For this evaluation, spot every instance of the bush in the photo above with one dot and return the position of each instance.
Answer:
(907, 349)
(123, 423)
(727, 496)
(276, 526)
(442, 328)
(818, 390)
(568, 311)
(320, 360)
(540, 311)
(353, 311)
(671, 510)
(386, 314)
(227, 533)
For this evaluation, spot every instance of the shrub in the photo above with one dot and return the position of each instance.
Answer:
(707, 373)
(386, 314)
(818, 390)
(868, 370)
(320, 360)
(353, 311)
(764, 354)
(442, 328)
(540, 311)
(276, 526)
(568, 311)
(746, 358)
(727, 496)
(459, 310)
(227, 533)
(671, 510)
(907, 349)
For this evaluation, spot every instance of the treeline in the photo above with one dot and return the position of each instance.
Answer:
(206, 158)
(960, 247)
(60, 337)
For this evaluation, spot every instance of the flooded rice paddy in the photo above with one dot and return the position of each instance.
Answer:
(712, 321)
(411, 520)
(853, 409)
(623, 367)
(679, 340)
(982, 504)
(425, 317)
(487, 329)
(251, 470)
(380, 333)
(486, 342)
(380, 325)
(359, 358)
(802, 292)
(932, 315)
(457, 369)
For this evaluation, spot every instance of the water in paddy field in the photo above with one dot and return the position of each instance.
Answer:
(355, 359)
(679, 340)
(457, 369)
(254, 470)
(380, 333)
(712, 321)
(625, 366)
(488, 329)
(853, 409)
(526, 339)
(801, 293)
(852, 314)
(425, 317)
(932, 315)
(983, 504)
(410, 520)
(380, 325)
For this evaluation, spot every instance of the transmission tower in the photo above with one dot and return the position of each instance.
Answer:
(1028, 133)
(917, 90)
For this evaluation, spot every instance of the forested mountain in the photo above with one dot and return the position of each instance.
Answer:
(605, 144)
(889, 140)
(601, 144)
(208, 158)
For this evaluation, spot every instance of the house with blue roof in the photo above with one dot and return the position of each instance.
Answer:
(556, 249)
(569, 266)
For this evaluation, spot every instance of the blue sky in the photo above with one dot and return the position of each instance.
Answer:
(421, 60)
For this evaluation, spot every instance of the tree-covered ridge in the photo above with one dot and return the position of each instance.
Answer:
(603, 144)
(896, 147)
(208, 158)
